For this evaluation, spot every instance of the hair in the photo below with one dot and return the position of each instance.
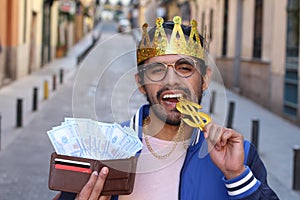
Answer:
(168, 27)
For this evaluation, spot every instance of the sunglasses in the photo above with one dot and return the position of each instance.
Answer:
(157, 71)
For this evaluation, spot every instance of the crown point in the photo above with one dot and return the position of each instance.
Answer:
(145, 26)
(177, 20)
(162, 45)
(193, 23)
(159, 21)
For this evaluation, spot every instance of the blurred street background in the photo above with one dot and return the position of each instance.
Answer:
(76, 58)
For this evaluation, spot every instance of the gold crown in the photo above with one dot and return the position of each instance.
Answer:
(176, 45)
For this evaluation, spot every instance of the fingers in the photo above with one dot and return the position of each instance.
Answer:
(213, 132)
(88, 188)
(94, 186)
(225, 137)
(99, 184)
(218, 136)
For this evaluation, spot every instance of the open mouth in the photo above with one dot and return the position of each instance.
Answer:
(171, 98)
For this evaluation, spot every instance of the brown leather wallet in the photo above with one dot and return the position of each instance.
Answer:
(70, 174)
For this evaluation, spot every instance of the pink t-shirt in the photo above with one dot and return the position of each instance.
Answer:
(158, 178)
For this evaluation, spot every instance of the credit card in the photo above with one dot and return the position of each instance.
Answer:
(72, 165)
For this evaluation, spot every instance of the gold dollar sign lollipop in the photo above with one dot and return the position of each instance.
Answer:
(194, 118)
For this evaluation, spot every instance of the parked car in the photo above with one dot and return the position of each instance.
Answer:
(124, 25)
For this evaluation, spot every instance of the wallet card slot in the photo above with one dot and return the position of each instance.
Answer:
(72, 162)
(72, 165)
(72, 168)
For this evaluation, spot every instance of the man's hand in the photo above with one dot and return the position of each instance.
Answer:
(226, 148)
(94, 187)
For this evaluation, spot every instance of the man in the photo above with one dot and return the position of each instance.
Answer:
(171, 66)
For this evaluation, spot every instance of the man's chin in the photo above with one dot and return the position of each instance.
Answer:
(173, 122)
(169, 117)
(174, 118)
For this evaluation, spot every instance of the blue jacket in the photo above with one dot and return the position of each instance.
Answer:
(201, 179)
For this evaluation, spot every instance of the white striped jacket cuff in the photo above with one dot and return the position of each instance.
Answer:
(243, 185)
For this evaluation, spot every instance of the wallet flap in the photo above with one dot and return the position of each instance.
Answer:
(70, 174)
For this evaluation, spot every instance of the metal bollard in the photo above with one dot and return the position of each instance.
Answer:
(19, 119)
(46, 90)
(61, 76)
(255, 133)
(296, 174)
(35, 99)
(54, 82)
(230, 114)
(212, 102)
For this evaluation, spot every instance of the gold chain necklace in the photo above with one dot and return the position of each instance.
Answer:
(146, 122)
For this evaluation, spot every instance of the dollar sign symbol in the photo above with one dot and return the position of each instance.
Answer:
(196, 119)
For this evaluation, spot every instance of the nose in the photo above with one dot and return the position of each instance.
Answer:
(171, 77)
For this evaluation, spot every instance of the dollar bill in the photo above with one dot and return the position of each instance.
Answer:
(92, 139)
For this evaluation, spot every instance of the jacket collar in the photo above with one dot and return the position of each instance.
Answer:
(136, 123)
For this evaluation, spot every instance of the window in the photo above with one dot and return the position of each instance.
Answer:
(292, 49)
(258, 20)
(225, 23)
(290, 106)
(211, 21)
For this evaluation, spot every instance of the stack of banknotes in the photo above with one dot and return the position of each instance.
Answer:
(92, 139)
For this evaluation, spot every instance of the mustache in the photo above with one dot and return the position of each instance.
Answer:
(185, 90)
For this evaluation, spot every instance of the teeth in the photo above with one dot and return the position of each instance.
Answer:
(172, 96)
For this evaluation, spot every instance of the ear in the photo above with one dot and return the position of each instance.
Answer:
(140, 83)
(206, 79)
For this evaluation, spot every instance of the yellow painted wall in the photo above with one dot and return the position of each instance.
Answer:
(54, 25)
(9, 39)
(248, 28)
(268, 21)
(12, 22)
(15, 33)
(231, 37)
(3, 22)
(278, 37)
(24, 46)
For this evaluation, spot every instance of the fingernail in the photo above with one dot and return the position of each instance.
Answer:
(104, 170)
(95, 173)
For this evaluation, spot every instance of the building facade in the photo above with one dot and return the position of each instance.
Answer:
(255, 44)
(34, 32)
(21, 34)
